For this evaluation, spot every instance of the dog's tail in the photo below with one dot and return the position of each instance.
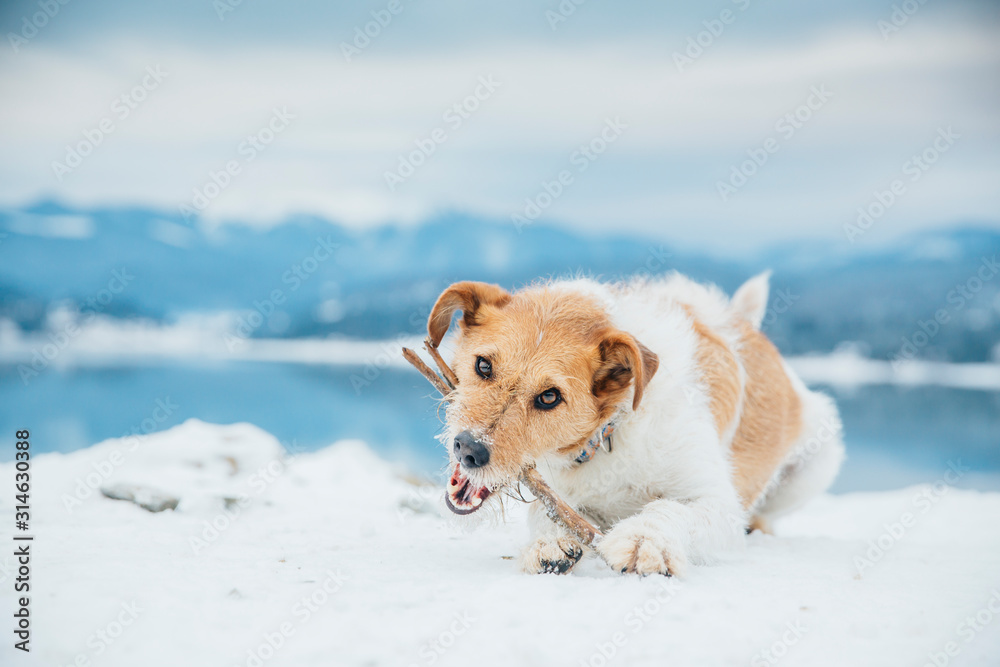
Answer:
(750, 300)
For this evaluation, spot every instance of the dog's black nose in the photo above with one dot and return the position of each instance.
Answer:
(469, 451)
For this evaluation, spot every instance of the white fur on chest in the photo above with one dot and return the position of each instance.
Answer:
(669, 447)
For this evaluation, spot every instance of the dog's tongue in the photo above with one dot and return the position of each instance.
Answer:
(462, 496)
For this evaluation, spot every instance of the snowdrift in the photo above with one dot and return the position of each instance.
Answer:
(339, 558)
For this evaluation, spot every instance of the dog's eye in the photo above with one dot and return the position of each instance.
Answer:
(548, 399)
(484, 368)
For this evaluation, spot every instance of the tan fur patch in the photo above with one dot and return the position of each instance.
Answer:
(536, 340)
(771, 420)
(761, 524)
(720, 372)
(771, 417)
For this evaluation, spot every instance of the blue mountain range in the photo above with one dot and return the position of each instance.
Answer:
(313, 277)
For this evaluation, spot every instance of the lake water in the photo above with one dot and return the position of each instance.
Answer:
(895, 436)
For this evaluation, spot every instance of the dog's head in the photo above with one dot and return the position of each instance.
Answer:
(539, 372)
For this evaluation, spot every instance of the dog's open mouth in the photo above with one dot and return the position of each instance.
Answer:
(462, 496)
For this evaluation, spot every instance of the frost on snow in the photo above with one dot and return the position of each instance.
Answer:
(337, 557)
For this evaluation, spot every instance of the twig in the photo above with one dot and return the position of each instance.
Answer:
(449, 375)
(426, 371)
(559, 511)
(555, 508)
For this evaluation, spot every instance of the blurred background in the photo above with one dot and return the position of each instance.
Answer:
(239, 210)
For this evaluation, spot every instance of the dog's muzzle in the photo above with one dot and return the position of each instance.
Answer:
(462, 496)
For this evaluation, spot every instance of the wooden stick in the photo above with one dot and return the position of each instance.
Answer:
(557, 510)
(425, 370)
(449, 375)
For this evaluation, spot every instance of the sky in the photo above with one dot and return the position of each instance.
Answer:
(725, 124)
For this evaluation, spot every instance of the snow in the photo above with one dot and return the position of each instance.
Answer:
(102, 341)
(847, 369)
(340, 558)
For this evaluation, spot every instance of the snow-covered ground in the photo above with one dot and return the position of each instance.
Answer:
(338, 558)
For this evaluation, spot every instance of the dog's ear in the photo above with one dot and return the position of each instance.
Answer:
(624, 360)
(750, 300)
(468, 297)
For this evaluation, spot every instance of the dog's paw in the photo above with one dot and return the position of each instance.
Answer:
(556, 556)
(631, 548)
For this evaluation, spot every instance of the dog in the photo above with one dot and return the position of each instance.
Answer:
(654, 407)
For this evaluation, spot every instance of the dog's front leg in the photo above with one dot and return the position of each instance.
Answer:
(552, 549)
(668, 534)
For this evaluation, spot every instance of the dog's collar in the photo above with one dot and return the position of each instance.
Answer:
(601, 439)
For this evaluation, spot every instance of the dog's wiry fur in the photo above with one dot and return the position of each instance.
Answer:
(714, 433)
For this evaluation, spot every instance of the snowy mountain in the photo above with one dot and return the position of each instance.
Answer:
(311, 277)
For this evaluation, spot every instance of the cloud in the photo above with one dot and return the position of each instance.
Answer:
(354, 120)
